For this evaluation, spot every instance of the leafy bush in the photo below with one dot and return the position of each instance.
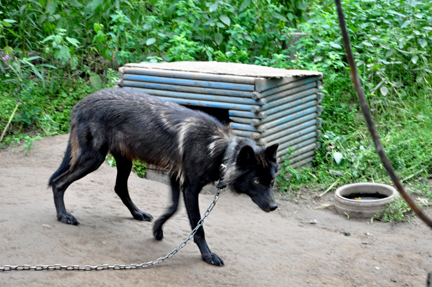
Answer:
(392, 47)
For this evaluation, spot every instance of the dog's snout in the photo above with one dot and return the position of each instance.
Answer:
(273, 207)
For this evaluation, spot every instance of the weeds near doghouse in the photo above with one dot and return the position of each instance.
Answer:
(396, 211)
(399, 210)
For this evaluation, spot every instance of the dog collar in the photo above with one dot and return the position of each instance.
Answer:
(223, 167)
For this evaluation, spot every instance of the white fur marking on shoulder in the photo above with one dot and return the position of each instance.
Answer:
(184, 128)
(211, 147)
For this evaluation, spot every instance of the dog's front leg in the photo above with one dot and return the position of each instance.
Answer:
(191, 193)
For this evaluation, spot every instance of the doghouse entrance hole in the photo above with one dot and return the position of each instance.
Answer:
(221, 114)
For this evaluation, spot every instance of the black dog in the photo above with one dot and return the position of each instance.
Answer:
(190, 144)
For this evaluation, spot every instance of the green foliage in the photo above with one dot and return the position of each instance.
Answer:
(392, 47)
(395, 211)
(62, 48)
(139, 167)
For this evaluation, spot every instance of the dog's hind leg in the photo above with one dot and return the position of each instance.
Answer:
(86, 163)
(191, 193)
(124, 167)
(175, 192)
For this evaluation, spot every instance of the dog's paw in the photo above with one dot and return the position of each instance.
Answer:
(157, 231)
(158, 234)
(141, 215)
(67, 218)
(212, 259)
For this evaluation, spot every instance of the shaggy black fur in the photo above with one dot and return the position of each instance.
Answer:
(190, 144)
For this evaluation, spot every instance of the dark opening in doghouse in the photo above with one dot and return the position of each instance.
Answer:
(221, 114)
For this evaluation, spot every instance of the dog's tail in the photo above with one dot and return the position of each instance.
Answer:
(65, 165)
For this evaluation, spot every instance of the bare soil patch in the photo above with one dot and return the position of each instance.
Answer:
(281, 248)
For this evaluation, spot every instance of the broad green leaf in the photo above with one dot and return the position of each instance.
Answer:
(171, 10)
(49, 38)
(359, 63)
(150, 41)
(62, 54)
(219, 24)
(384, 90)
(280, 17)
(224, 18)
(423, 43)
(414, 59)
(107, 54)
(336, 46)
(427, 28)
(73, 41)
(96, 81)
(337, 157)
(302, 5)
(58, 39)
(51, 8)
(75, 3)
(74, 62)
(6, 24)
(210, 22)
(97, 27)
(91, 7)
(244, 5)
(317, 59)
(290, 16)
(9, 21)
(367, 44)
(406, 23)
(147, 26)
(248, 38)
(395, 13)
(213, 7)
(218, 38)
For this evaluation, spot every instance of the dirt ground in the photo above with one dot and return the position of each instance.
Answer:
(259, 249)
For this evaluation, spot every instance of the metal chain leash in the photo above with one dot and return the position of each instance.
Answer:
(116, 266)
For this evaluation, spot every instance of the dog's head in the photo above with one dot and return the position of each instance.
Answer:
(253, 172)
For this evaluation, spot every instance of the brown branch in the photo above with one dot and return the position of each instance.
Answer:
(370, 122)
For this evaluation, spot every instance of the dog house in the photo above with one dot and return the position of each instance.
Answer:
(269, 105)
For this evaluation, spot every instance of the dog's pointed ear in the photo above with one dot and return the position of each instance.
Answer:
(246, 156)
(271, 151)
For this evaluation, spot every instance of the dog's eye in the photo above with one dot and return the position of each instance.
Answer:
(256, 181)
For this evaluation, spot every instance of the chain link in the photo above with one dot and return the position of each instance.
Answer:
(25, 267)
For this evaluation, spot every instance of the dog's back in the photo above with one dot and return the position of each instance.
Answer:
(139, 126)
